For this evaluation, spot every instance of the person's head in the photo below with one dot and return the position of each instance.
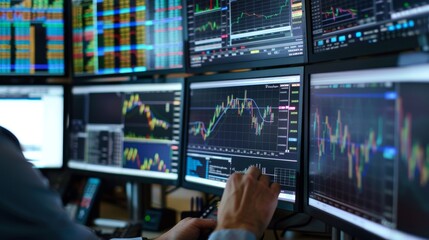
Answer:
(4, 133)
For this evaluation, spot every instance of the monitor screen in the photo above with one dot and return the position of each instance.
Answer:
(237, 123)
(35, 115)
(351, 28)
(369, 149)
(112, 37)
(127, 129)
(247, 33)
(31, 37)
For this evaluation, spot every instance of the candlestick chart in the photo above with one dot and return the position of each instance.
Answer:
(259, 117)
(234, 117)
(414, 157)
(253, 120)
(148, 156)
(352, 144)
(414, 147)
(337, 138)
(148, 118)
(128, 129)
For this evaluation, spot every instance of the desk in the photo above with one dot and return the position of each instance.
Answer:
(109, 210)
(269, 235)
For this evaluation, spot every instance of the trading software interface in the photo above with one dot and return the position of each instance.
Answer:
(35, 115)
(227, 31)
(127, 129)
(31, 37)
(125, 36)
(237, 124)
(338, 23)
(369, 149)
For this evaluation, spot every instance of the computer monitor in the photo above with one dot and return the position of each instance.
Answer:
(368, 150)
(35, 115)
(236, 34)
(343, 29)
(238, 120)
(129, 130)
(32, 38)
(124, 37)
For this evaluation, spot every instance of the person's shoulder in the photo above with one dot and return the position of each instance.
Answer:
(10, 137)
(10, 154)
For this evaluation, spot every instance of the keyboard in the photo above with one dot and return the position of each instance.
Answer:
(129, 231)
(211, 211)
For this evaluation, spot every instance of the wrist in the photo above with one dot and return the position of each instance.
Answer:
(240, 226)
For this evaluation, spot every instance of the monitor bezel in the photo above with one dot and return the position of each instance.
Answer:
(291, 61)
(296, 206)
(351, 65)
(66, 100)
(395, 45)
(124, 177)
(15, 78)
(183, 69)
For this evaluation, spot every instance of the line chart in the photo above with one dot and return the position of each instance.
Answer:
(339, 14)
(250, 15)
(208, 26)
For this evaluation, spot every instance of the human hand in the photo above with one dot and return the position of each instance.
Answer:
(248, 202)
(188, 229)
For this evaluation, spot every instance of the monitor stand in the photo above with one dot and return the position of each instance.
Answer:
(340, 235)
(160, 218)
(141, 211)
(138, 199)
(310, 226)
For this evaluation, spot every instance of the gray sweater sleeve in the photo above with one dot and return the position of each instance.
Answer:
(28, 208)
(236, 234)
